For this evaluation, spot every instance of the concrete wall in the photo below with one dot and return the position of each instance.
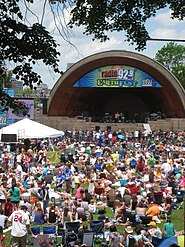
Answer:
(66, 123)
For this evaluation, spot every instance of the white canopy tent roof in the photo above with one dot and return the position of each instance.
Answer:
(27, 128)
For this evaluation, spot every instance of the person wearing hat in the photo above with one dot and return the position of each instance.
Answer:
(126, 235)
(153, 230)
(20, 222)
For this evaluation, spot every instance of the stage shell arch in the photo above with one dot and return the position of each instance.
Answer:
(67, 100)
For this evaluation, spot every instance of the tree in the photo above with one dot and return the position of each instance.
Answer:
(25, 91)
(5, 77)
(172, 56)
(24, 43)
(101, 16)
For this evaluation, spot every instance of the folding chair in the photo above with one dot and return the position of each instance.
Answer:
(36, 230)
(72, 226)
(88, 239)
(70, 239)
(49, 229)
(97, 226)
(61, 233)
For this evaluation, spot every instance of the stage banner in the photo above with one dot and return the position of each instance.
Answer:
(29, 103)
(117, 76)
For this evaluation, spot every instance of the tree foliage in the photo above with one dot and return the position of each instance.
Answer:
(24, 43)
(101, 16)
(172, 56)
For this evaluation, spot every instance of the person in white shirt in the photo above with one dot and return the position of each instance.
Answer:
(92, 208)
(121, 189)
(19, 171)
(166, 167)
(20, 225)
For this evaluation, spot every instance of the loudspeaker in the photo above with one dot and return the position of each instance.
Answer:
(45, 106)
(109, 128)
(9, 138)
(97, 128)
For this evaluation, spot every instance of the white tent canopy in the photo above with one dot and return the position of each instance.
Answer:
(27, 128)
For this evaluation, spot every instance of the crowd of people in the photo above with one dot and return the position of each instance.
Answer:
(139, 175)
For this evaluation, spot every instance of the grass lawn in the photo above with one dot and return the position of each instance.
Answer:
(177, 218)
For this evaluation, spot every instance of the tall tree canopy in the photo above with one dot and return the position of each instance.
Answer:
(102, 16)
(172, 56)
(23, 42)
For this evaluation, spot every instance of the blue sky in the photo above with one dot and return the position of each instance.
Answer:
(160, 26)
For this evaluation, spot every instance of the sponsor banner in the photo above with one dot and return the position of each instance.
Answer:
(29, 103)
(117, 76)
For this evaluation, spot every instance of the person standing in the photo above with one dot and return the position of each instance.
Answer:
(20, 222)
(67, 173)
(45, 195)
(14, 194)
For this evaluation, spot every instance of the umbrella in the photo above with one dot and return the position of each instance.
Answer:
(122, 137)
(179, 240)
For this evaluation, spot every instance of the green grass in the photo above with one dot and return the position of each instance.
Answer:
(177, 218)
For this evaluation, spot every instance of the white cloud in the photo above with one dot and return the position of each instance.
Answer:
(165, 19)
(164, 33)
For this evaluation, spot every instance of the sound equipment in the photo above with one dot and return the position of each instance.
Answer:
(9, 138)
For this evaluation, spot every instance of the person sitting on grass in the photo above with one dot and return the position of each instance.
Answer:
(168, 229)
(114, 237)
(92, 208)
(66, 215)
(154, 212)
(38, 214)
(54, 214)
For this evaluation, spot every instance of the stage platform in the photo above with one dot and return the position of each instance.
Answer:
(66, 123)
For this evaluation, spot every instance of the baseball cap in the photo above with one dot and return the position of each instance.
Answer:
(152, 223)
